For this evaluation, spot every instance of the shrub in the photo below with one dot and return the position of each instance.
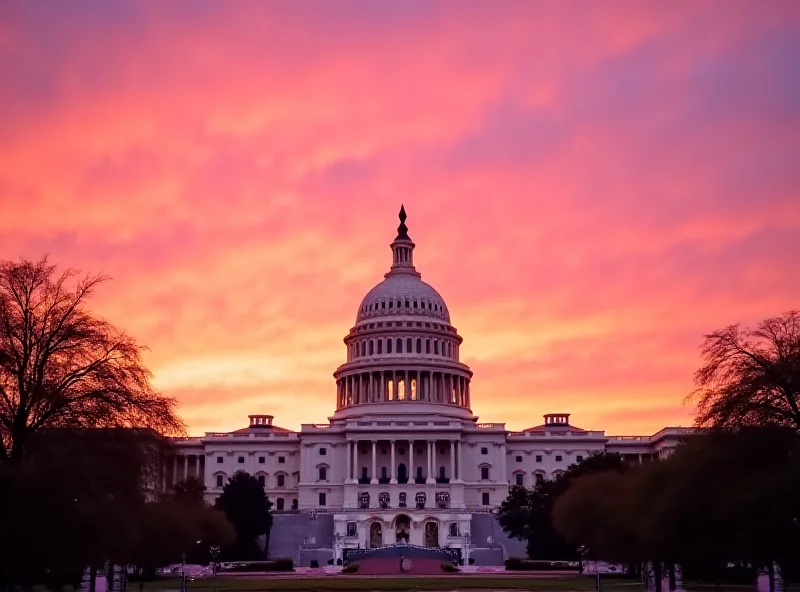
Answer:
(339, 561)
(280, 564)
(314, 563)
(449, 568)
(350, 568)
(518, 564)
(471, 561)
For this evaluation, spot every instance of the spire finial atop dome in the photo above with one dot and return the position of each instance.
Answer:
(402, 230)
(402, 249)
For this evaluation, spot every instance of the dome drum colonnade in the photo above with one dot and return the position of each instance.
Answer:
(403, 347)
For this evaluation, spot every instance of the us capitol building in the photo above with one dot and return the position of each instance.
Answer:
(402, 458)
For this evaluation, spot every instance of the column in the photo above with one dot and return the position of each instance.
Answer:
(430, 450)
(355, 459)
(469, 403)
(452, 460)
(407, 385)
(349, 474)
(504, 477)
(185, 466)
(392, 478)
(434, 464)
(374, 474)
(175, 470)
(460, 460)
(382, 396)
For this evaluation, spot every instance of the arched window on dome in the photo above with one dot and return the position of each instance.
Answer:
(409, 345)
(427, 346)
(391, 304)
(408, 304)
(449, 350)
(399, 346)
(371, 347)
(413, 382)
(380, 346)
(419, 345)
(399, 303)
(383, 304)
(436, 347)
(389, 346)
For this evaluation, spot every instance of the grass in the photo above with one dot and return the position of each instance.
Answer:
(355, 583)
(512, 581)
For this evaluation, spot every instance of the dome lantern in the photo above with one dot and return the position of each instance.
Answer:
(402, 249)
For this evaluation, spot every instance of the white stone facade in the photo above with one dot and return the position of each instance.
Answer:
(402, 455)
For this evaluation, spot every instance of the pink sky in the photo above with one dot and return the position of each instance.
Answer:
(591, 187)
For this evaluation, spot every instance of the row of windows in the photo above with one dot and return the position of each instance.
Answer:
(418, 324)
(280, 480)
(559, 458)
(261, 459)
(352, 529)
(371, 347)
(404, 304)
(442, 500)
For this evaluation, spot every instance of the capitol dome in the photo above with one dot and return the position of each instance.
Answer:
(403, 349)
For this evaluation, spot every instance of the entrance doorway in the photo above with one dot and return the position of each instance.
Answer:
(402, 528)
(431, 534)
(375, 535)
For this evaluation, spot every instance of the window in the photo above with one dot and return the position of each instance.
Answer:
(442, 499)
(371, 347)
(579, 458)
(219, 460)
(363, 500)
(419, 345)
(383, 500)
(323, 451)
(279, 504)
(261, 480)
(281, 459)
(484, 451)
(383, 473)
(261, 460)
(294, 504)
(520, 479)
(519, 459)
(380, 346)
(441, 472)
(558, 458)
(539, 478)
(420, 499)
(323, 474)
(352, 529)
(484, 473)
(364, 474)
(322, 498)
(240, 460)
(454, 529)
(388, 346)
(401, 500)
(219, 480)
(485, 499)
(399, 346)
(281, 480)
(409, 347)
(419, 472)
(538, 458)
(436, 347)
(427, 346)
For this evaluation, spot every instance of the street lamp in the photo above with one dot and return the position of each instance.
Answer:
(214, 551)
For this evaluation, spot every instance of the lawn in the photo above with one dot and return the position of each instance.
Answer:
(381, 584)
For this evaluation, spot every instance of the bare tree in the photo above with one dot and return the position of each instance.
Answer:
(61, 366)
(751, 376)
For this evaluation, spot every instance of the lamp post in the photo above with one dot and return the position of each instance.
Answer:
(214, 551)
(466, 548)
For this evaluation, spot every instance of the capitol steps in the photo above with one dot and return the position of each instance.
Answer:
(485, 528)
(302, 537)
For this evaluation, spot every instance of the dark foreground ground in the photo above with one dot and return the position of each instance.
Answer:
(454, 583)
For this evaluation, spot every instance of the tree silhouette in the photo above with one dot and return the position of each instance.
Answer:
(61, 366)
(247, 507)
(190, 491)
(751, 376)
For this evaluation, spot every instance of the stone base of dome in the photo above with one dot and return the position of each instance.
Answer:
(416, 411)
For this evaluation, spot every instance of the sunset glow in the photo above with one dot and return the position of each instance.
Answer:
(590, 186)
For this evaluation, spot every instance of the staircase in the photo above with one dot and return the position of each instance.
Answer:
(289, 532)
(292, 536)
(485, 527)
